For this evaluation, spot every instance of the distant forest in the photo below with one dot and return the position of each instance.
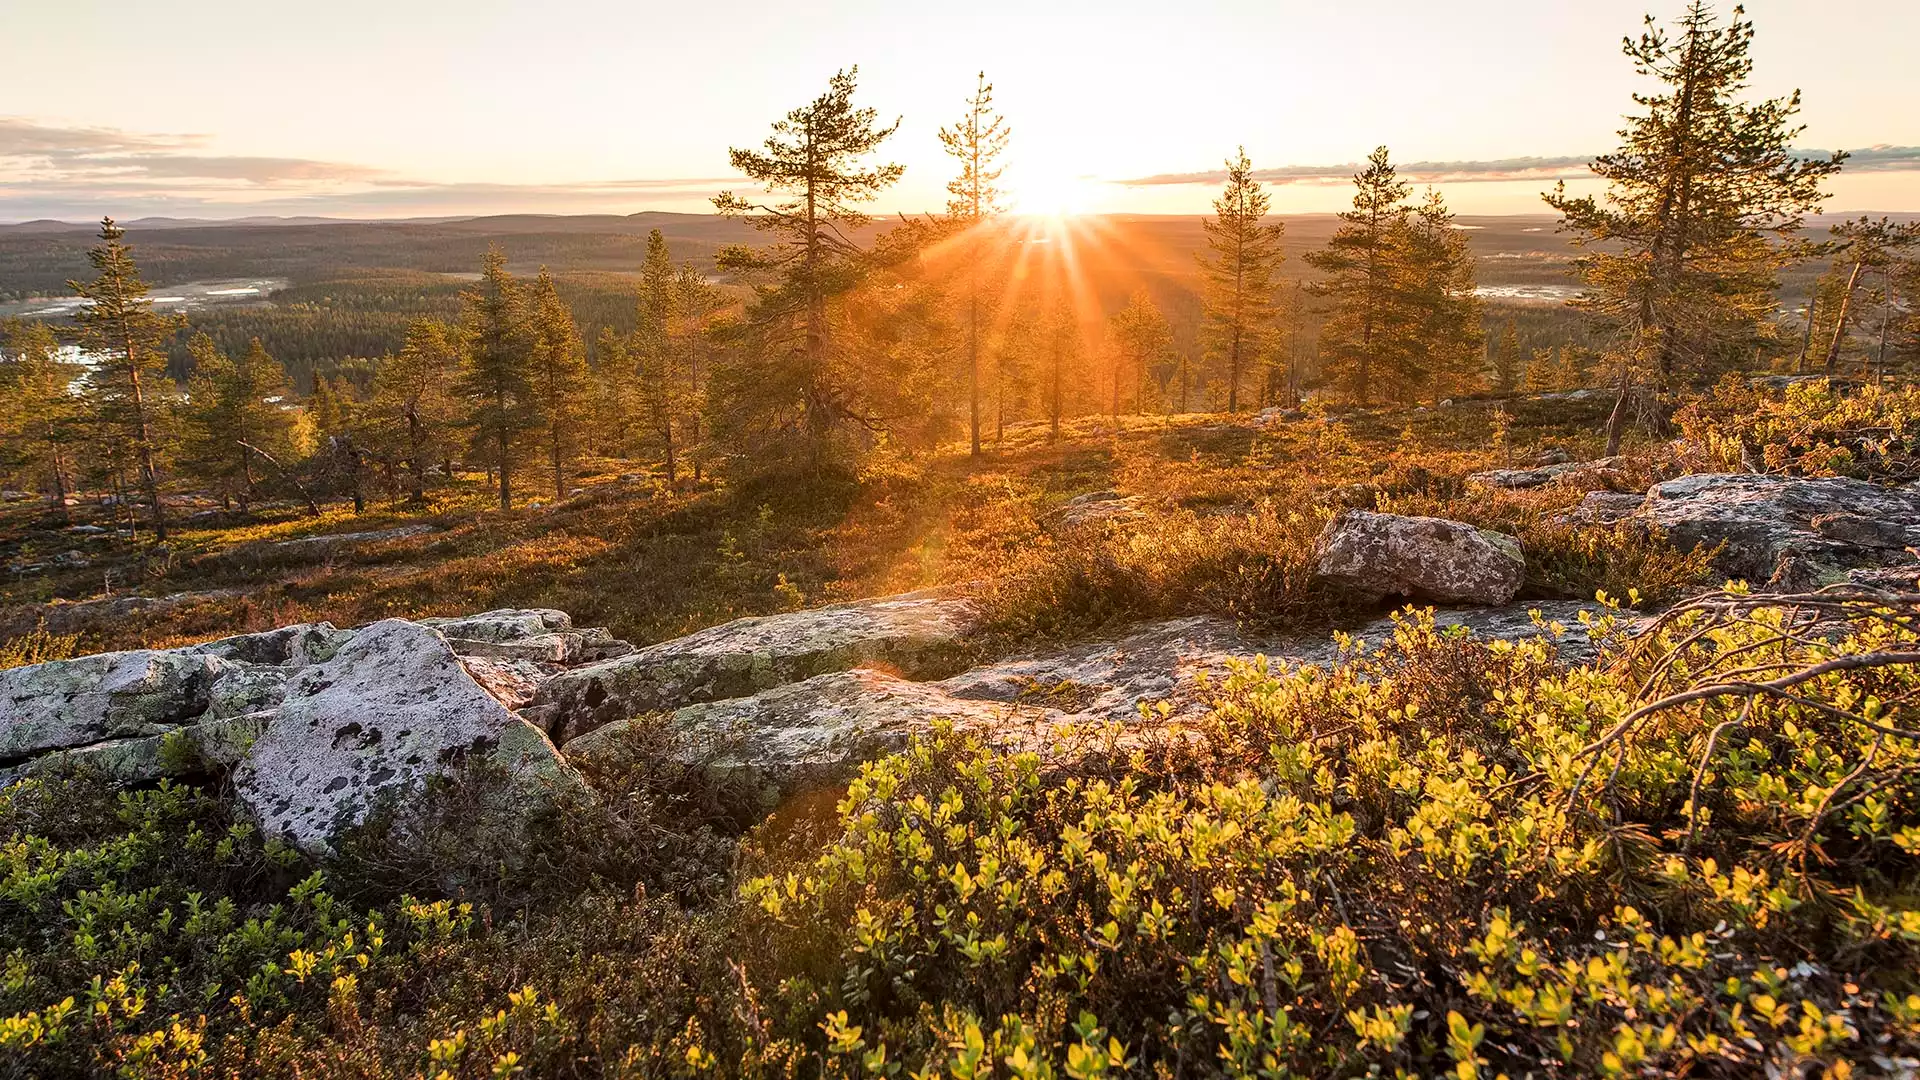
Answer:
(356, 286)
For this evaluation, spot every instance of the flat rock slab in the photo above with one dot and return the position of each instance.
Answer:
(392, 708)
(348, 539)
(1109, 680)
(1787, 532)
(916, 635)
(67, 703)
(825, 722)
(1604, 473)
(1175, 661)
(541, 635)
(1427, 558)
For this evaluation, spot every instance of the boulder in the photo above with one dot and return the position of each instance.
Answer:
(1791, 532)
(823, 723)
(538, 634)
(1097, 507)
(1605, 508)
(1603, 473)
(67, 703)
(370, 725)
(1423, 557)
(918, 634)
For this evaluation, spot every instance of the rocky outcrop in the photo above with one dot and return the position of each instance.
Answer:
(917, 635)
(392, 708)
(330, 541)
(1422, 557)
(542, 635)
(319, 724)
(825, 723)
(1785, 532)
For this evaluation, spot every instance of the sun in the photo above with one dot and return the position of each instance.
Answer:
(1054, 195)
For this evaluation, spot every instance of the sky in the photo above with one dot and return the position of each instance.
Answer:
(403, 108)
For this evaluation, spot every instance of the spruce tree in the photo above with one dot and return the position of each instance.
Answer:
(126, 340)
(1360, 264)
(557, 377)
(1238, 301)
(1505, 369)
(494, 376)
(977, 141)
(235, 418)
(1060, 365)
(42, 419)
(658, 381)
(1140, 337)
(1703, 202)
(413, 399)
(794, 393)
(1436, 286)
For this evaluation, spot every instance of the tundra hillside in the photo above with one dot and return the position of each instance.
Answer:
(878, 653)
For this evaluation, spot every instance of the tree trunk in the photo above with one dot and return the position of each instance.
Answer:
(1840, 321)
(973, 360)
(1617, 420)
(1806, 342)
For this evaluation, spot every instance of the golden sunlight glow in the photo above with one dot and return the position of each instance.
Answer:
(1054, 195)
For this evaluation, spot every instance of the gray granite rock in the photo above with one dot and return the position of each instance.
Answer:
(392, 708)
(1423, 557)
(917, 635)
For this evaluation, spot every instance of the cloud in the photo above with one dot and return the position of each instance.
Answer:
(75, 155)
(48, 170)
(1873, 159)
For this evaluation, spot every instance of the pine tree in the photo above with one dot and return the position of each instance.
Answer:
(1060, 369)
(413, 399)
(494, 378)
(977, 141)
(1543, 371)
(1436, 284)
(658, 381)
(1361, 271)
(1238, 302)
(793, 386)
(557, 377)
(1140, 338)
(119, 329)
(1506, 373)
(42, 419)
(1704, 198)
(697, 305)
(235, 418)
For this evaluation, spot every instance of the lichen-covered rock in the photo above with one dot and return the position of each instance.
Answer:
(392, 708)
(1604, 474)
(1096, 508)
(1791, 532)
(190, 750)
(1424, 557)
(1174, 662)
(917, 635)
(1606, 508)
(538, 634)
(1109, 680)
(89, 699)
(330, 541)
(825, 722)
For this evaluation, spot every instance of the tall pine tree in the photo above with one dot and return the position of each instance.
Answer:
(1704, 199)
(794, 396)
(558, 378)
(1238, 302)
(1362, 273)
(977, 141)
(126, 339)
(235, 419)
(494, 375)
